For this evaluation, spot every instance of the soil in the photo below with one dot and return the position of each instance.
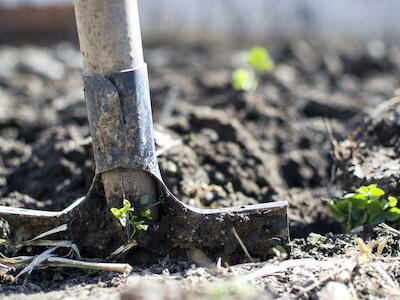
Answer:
(371, 154)
(217, 148)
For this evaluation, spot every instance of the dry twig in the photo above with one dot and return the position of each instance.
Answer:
(36, 261)
(72, 263)
(47, 259)
(123, 249)
(58, 229)
(240, 241)
(384, 106)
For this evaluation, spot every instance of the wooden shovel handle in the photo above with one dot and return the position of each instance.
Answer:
(109, 35)
(110, 41)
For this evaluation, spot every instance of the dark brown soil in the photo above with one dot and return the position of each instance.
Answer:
(371, 153)
(217, 147)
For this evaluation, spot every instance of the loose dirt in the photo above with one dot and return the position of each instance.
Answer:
(216, 148)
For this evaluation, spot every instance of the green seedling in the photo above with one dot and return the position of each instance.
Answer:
(257, 62)
(134, 221)
(244, 80)
(367, 206)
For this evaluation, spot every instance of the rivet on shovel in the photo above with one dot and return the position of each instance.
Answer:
(120, 119)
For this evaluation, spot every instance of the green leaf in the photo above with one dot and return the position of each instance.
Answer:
(363, 189)
(116, 213)
(259, 60)
(377, 192)
(126, 204)
(244, 80)
(392, 201)
(146, 213)
(343, 206)
(359, 201)
(393, 214)
(361, 197)
(371, 191)
(336, 212)
(142, 227)
(374, 207)
(376, 219)
(127, 207)
(360, 222)
(358, 217)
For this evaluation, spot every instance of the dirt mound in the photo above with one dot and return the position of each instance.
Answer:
(371, 154)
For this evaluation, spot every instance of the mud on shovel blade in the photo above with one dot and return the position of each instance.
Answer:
(119, 113)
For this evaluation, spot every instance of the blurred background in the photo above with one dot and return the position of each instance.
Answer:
(26, 20)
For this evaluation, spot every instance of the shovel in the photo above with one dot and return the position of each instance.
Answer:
(120, 118)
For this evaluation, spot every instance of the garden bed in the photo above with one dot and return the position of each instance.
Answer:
(217, 148)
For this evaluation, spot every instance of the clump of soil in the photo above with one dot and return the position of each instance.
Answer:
(217, 147)
(371, 154)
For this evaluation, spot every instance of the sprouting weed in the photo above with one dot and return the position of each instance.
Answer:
(244, 80)
(367, 206)
(135, 221)
(258, 62)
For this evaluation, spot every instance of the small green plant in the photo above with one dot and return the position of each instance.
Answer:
(135, 221)
(258, 62)
(367, 206)
(244, 80)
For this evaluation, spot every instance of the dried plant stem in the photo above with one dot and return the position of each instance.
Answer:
(240, 241)
(55, 261)
(71, 263)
